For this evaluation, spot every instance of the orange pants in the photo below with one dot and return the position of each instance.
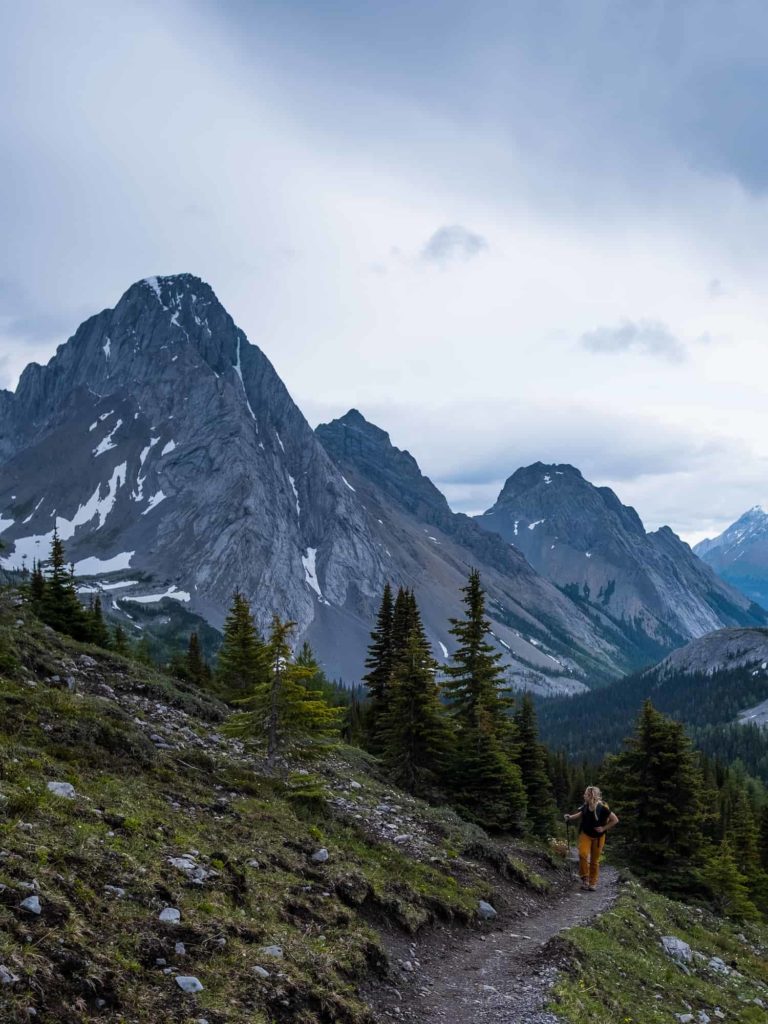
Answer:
(589, 857)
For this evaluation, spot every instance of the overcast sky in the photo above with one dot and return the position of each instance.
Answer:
(506, 232)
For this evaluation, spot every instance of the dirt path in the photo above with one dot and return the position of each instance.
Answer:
(494, 977)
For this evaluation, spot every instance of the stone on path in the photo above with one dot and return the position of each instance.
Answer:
(170, 914)
(32, 905)
(486, 911)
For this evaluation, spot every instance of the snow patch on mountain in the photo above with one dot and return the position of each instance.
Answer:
(107, 443)
(172, 592)
(310, 571)
(295, 494)
(93, 566)
(154, 501)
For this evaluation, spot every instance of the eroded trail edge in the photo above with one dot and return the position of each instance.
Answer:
(499, 976)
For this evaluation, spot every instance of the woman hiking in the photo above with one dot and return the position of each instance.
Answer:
(595, 819)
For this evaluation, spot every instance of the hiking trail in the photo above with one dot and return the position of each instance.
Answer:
(500, 975)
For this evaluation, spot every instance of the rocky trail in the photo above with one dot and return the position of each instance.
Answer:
(499, 976)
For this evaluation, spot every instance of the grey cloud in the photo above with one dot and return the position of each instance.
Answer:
(647, 336)
(453, 242)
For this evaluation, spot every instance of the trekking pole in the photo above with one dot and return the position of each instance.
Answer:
(568, 844)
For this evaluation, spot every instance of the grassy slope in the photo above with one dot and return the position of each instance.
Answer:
(621, 975)
(155, 780)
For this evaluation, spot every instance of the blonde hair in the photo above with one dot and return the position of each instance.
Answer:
(593, 797)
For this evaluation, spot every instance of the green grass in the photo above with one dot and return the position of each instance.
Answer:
(621, 975)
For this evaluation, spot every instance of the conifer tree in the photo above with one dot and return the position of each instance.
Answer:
(120, 641)
(97, 628)
(475, 679)
(241, 662)
(379, 664)
(59, 606)
(281, 710)
(764, 837)
(36, 587)
(195, 665)
(727, 885)
(560, 775)
(415, 735)
(486, 782)
(532, 761)
(353, 723)
(143, 652)
(656, 787)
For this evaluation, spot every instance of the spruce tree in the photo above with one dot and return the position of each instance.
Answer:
(728, 886)
(415, 735)
(241, 662)
(120, 641)
(281, 711)
(36, 587)
(59, 607)
(764, 837)
(475, 679)
(656, 786)
(379, 664)
(195, 665)
(97, 628)
(532, 761)
(486, 783)
(142, 651)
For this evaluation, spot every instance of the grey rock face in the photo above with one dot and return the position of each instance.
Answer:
(596, 549)
(162, 443)
(740, 554)
(547, 642)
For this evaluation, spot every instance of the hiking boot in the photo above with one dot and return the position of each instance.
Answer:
(585, 886)
(592, 888)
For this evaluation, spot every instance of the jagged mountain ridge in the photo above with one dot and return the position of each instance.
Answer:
(166, 446)
(739, 554)
(544, 636)
(596, 549)
(174, 462)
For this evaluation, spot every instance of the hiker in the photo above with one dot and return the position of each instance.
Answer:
(595, 819)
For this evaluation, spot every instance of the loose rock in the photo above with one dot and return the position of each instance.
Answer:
(486, 911)
(63, 789)
(32, 905)
(188, 983)
(170, 914)
(677, 949)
